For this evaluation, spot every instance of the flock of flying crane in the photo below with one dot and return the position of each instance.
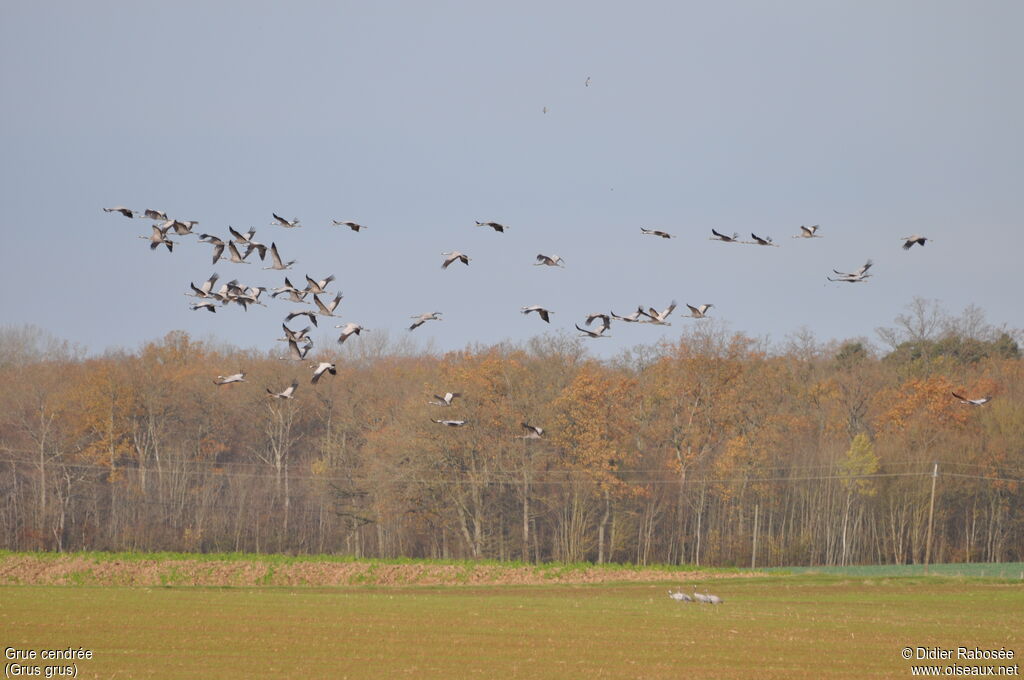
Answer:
(300, 343)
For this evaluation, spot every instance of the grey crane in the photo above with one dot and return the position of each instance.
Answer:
(321, 368)
(159, 215)
(228, 379)
(423, 318)
(656, 232)
(239, 237)
(295, 295)
(452, 256)
(295, 336)
(593, 334)
(327, 309)
(127, 212)
(532, 431)
(762, 240)
(680, 596)
(305, 312)
(354, 226)
(282, 222)
(205, 304)
(296, 353)
(910, 241)
(973, 402)
(543, 313)
(549, 260)
(249, 243)
(496, 226)
(318, 287)
(287, 393)
(606, 321)
(348, 330)
(657, 317)
(217, 243)
(206, 289)
(446, 400)
(158, 238)
(716, 236)
(450, 423)
(632, 318)
(250, 296)
(181, 227)
(854, 277)
(236, 257)
(808, 232)
(700, 312)
(276, 257)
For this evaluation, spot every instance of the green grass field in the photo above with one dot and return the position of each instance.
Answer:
(786, 626)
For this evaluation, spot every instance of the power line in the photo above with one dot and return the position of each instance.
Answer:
(512, 479)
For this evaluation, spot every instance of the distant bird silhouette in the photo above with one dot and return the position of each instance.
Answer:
(722, 237)
(354, 226)
(656, 232)
(493, 225)
(910, 241)
(228, 379)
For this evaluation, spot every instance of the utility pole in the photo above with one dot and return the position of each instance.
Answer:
(931, 512)
(753, 549)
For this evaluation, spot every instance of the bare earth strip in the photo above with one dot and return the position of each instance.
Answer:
(28, 569)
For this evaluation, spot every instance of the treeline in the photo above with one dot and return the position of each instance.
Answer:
(712, 450)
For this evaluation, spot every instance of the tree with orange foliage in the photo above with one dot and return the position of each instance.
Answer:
(591, 430)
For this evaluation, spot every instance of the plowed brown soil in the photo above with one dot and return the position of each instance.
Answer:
(28, 569)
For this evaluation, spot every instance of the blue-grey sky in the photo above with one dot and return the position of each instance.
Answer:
(874, 119)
